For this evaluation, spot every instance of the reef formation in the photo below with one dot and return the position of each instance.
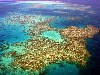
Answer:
(39, 52)
(75, 32)
(49, 45)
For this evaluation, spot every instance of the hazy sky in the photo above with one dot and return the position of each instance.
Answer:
(31, 0)
(6, 0)
(59, 0)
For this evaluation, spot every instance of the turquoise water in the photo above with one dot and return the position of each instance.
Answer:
(64, 22)
(53, 35)
(13, 33)
(63, 69)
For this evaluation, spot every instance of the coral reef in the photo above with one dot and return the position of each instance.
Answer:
(46, 45)
(41, 51)
(42, 26)
(23, 19)
(75, 32)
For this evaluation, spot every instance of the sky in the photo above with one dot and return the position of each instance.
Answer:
(42, 0)
(6, 0)
(72, 1)
(31, 0)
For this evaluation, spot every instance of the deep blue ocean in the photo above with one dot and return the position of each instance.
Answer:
(93, 45)
(11, 34)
